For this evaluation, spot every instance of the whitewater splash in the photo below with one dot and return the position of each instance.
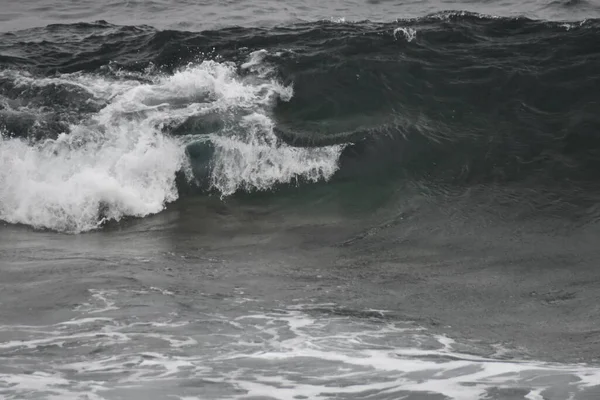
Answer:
(120, 161)
(110, 165)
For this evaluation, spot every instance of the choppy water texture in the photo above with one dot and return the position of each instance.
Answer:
(202, 15)
(296, 201)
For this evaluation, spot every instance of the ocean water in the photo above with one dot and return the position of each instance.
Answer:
(317, 200)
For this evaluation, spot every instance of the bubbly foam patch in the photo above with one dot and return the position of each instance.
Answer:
(120, 161)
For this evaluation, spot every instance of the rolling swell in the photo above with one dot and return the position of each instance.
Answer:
(453, 98)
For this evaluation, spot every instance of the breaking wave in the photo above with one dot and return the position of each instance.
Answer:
(125, 119)
(122, 159)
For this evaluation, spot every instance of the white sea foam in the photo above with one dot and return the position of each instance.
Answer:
(256, 59)
(118, 162)
(409, 33)
(304, 351)
(568, 26)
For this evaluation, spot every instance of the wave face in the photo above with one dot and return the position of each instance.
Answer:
(100, 122)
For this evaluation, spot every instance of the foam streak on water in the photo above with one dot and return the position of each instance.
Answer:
(302, 351)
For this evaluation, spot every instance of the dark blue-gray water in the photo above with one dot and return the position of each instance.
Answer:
(316, 200)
